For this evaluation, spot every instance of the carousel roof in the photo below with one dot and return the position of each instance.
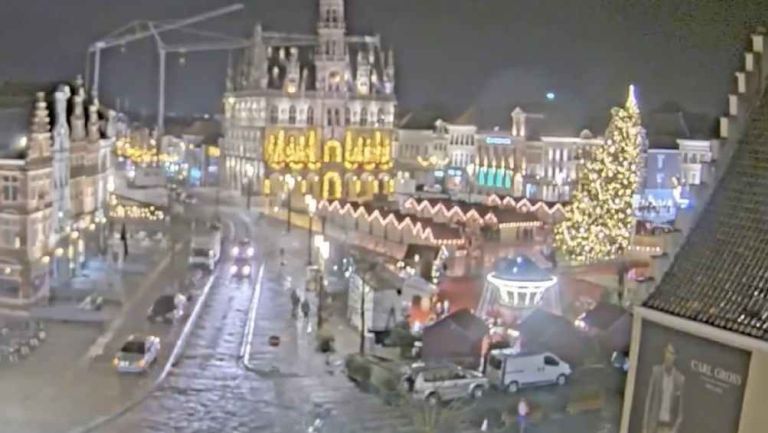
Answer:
(519, 268)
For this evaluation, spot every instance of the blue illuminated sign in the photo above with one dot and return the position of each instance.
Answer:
(498, 140)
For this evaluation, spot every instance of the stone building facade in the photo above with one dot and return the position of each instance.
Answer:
(522, 161)
(315, 108)
(54, 177)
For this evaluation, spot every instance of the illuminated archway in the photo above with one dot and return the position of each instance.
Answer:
(313, 184)
(331, 186)
(385, 183)
(370, 185)
(351, 185)
(275, 183)
(332, 151)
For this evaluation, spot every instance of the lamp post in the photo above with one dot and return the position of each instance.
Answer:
(311, 203)
(470, 181)
(249, 171)
(290, 182)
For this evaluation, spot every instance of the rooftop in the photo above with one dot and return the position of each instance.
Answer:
(720, 275)
(519, 268)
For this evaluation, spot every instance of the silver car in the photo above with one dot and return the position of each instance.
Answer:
(137, 354)
(444, 383)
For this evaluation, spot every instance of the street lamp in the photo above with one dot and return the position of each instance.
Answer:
(311, 203)
(470, 171)
(290, 182)
(249, 171)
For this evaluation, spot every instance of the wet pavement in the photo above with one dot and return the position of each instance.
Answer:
(209, 390)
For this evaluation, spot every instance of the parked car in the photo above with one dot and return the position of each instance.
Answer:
(137, 354)
(167, 308)
(243, 249)
(438, 383)
(510, 369)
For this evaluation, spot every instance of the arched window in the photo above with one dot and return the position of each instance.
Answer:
(329, 117)
(337, 116)
(380, 117)
(273, 116)
(347, 116)
(310, 116)
(292, 115)
(364, 117)
(334, 16)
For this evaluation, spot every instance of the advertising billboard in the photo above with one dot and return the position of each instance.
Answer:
(686, 384)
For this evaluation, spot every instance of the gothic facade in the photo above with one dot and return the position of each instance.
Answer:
(311, 114)
(54, 177)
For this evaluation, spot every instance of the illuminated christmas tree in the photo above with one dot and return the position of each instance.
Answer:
(600, 221)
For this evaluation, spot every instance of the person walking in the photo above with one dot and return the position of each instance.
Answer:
(522, 414)
(305, 308)
(124, 238)
(295, 301)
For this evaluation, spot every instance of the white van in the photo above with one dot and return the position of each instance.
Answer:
(511, 370)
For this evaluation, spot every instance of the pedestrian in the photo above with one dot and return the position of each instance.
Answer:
(295, 300)
(124, 238)
(522, 414)
(305, 308)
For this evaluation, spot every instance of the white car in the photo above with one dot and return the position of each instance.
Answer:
(509, 369)
(137, 354)
(440, 383)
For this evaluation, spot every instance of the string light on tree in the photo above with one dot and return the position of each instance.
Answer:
(600, 219)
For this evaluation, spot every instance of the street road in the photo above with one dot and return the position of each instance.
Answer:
(210, 390)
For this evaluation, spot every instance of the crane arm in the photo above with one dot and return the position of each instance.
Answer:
(206, 46)
(153, 30)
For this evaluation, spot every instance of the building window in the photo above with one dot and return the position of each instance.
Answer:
(329, 117)
(8, 233)
(660, 161)
(310, 116)
(292, 115)
(347, 116)
(337, 116)
(380, 117)
(10, 188)
(273, 115)
(364, 117)
(659, 179)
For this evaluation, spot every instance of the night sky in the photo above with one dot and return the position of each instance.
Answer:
(451, 54)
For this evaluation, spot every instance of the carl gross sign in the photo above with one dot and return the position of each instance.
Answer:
(686, 384)
(728, 377)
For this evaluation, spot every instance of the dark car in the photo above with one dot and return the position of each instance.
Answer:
(167, 308)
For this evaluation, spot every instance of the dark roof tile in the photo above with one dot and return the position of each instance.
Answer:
(720, 275)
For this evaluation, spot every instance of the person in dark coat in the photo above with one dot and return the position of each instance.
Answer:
(295, 301)
(124, 238)
(305, 308)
